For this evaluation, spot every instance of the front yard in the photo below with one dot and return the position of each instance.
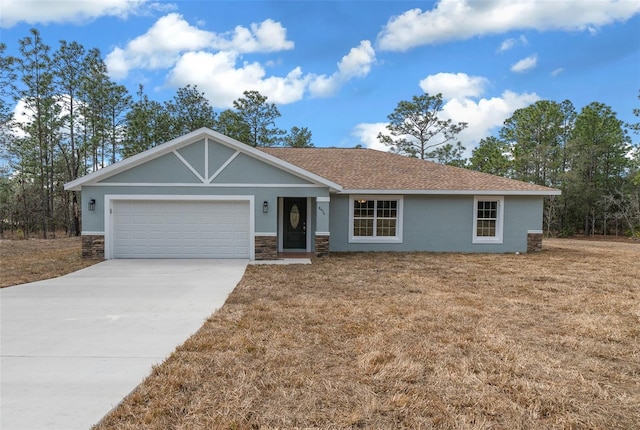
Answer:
(447, 341)
(31, 260)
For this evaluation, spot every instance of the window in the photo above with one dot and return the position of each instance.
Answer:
(487, 219)
(375, 219)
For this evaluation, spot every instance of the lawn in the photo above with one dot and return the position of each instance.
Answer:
(446, 341)
(30, 260)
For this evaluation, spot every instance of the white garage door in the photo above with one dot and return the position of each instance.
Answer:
(180, 229)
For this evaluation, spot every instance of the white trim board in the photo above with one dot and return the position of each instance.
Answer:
(455, 192)
(499, 237)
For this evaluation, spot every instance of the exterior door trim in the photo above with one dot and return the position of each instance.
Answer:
(281, 216)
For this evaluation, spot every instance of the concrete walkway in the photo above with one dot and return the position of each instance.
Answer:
(71, 348)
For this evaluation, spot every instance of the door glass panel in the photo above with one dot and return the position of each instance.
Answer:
(294, 216)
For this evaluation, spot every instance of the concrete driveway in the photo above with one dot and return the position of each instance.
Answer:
(73, 347)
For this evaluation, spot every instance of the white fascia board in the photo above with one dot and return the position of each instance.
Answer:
(456, 192)
(194, 136)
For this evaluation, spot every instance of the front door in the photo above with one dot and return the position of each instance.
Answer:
(295, 223)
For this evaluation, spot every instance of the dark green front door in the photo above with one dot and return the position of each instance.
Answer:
(295, 223)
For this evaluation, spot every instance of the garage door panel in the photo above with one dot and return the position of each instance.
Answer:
(180, 229)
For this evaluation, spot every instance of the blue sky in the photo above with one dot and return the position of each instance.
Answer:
(340, 67)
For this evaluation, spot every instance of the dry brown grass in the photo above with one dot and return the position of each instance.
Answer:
(30, 260)
(446, 341)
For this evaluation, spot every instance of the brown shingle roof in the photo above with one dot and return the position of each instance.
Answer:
(368, 169)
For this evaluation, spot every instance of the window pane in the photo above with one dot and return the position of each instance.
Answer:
(387, 209)
(486, 228)
(487, 210)
(373, 218)
(363, 227)
(363, 208)
(386, 227)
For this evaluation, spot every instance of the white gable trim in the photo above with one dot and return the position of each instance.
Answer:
(180, 142)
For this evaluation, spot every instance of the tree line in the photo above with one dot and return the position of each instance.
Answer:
(71, 119)
(588, 155)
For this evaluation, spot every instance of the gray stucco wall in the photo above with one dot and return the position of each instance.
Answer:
(93, 221)
(442, 224)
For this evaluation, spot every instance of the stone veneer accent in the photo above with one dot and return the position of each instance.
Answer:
(322, 246)
(93, 246)
(266, 247)
(534, 241)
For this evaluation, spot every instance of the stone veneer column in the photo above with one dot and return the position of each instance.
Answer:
(322, 245)
(266, 247)
(534, 240)
(93, 246)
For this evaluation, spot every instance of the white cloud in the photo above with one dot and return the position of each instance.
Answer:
(223, 80)
(454, 85)
(507, 44)
(161, 46)
(46, 11)
(510, 43)
(267, 36)
(525, 64)
(483, 115)
(212, 61)
(368, 135)
(463, 19)
(557, 71)
(356, 64)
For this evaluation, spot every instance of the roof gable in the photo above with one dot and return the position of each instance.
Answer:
(197, 158)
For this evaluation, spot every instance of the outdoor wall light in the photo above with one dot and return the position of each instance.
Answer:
(265, 207)
(92, 204)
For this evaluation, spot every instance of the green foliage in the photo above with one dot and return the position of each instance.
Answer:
(450, 155)
(598, 164)
(148, 125)
(635, 127)
(536, 136)
(491, 156)
(254, 112)
(189, 110)
(231, 123)
(415, 127)
(7, 78)
(298, 138)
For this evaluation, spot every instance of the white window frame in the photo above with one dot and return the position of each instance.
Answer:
(376, 239)
(498, 238)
